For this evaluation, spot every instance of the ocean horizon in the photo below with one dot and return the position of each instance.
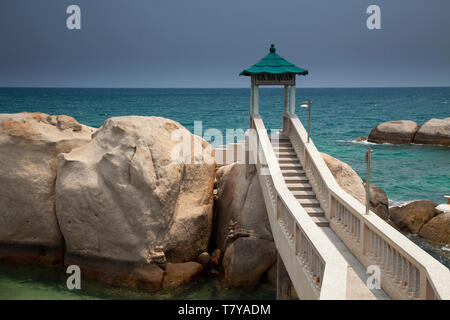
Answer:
(338, 117)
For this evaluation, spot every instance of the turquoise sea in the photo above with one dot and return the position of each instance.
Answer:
(338, 116)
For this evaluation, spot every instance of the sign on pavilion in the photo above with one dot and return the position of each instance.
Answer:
(273, 70)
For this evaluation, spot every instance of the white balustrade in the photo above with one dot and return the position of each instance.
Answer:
(408, 272)
(315, 267)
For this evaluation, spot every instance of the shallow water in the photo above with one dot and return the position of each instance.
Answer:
(43, 283)
(338, 116)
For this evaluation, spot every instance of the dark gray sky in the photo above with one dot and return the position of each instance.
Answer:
(206, 43)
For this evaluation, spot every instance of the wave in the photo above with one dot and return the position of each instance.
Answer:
(365, 142)
(399, 203)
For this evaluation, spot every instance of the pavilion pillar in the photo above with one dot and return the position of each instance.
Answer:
(286, 98)
(252, 84)
(256, 99)
(292, 99)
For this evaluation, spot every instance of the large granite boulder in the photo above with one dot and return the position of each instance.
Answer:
(247, 260)
(434, 131)
(395, 132)
(346, 177)
(413, 216)
(350, 181)
(127, 197)
(29, 146)
(437, 230)
(241, 228)
(239, 199)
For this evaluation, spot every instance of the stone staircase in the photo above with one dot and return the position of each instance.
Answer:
(296, 179)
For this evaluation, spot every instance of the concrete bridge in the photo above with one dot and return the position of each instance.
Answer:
(327, 245)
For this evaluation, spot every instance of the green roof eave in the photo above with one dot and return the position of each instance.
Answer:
(273, 64)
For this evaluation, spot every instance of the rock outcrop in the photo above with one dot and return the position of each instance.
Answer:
(241, 228)
(180, 273)
(346, 177)
(246, 261)
(29, 146)
(434, 131)
(413, 216)
(350, 181)
(437, 230)
(379, 202)
(123, 195)
(395, 132)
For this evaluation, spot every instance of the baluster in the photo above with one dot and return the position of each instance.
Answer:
(417, 284)
(399, 268)
(406, 283)
(412, 280)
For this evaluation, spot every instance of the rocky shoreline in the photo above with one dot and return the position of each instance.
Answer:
(432, 132)
(112, 201)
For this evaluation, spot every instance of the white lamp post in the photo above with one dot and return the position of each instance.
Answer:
(307, 104)
(369, 151)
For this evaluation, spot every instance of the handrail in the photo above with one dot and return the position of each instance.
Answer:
(407, 271)
(315, 267)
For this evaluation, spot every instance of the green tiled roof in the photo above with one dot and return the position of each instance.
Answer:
(273, 64)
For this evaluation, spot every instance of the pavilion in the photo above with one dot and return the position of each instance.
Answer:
(273, 70)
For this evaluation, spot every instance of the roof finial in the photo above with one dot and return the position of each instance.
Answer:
(272, 48)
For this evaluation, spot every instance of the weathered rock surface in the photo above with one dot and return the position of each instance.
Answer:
(121, 196)
(395, 132)
(437, 230)
(241, 227)
(412, 217)
(29, 146)
(204, 259)
(346, 177)
(246, 260)
(350, 181)
(180, 273)
(434, 131)
(240, 200)
(379, 202)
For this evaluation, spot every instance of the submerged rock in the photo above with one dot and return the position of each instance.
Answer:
(412, 217)
(434, 131)
(361, 139)
(180, 273)
(121, 196)
(29, 146)
(395, 132)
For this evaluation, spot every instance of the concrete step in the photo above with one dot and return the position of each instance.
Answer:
(286, 154)
(288, 160)
(314, 211)
(282, 143)
(308, 202)
(291, 165)
(283, 148)
(321, 221)
(297, 184)
(302, 194)
(300, 174)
